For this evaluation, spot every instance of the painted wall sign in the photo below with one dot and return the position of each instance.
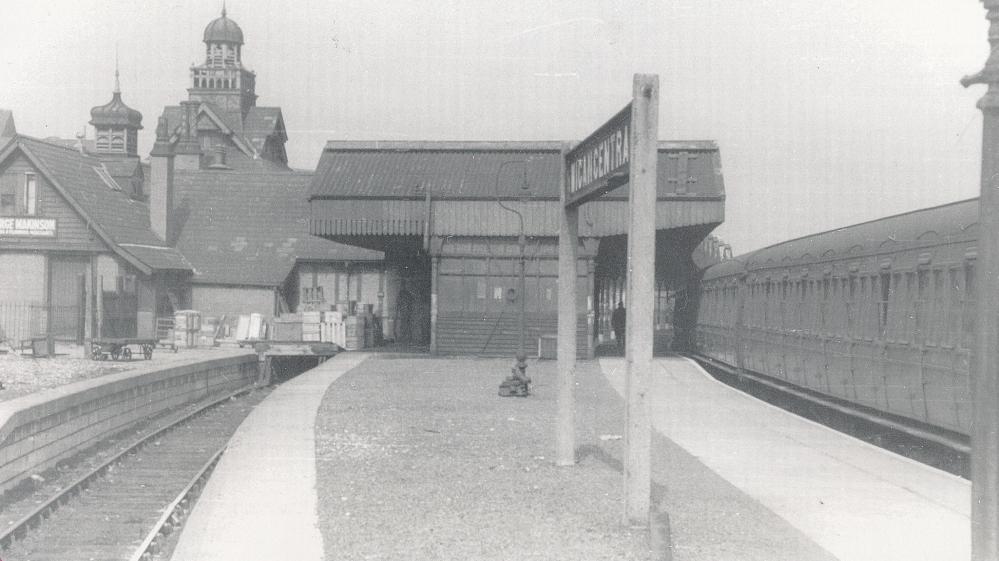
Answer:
(600, 162)
(28, 227)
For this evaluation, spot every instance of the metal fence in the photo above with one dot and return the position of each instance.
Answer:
(20, 321)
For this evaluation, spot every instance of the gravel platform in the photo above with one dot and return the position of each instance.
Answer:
(23, 374)
(420, 459)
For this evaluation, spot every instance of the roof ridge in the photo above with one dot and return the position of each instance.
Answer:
(54, 145)
(446, 145)
(855, 225)
(246, 171)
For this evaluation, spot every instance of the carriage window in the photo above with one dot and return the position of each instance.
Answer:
(885, 292)
(954, 308)
(968, 311)
(910, 323)
(936, 311)
(766, 305)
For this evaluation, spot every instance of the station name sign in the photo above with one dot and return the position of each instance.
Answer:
(600, 162)
(28, 227)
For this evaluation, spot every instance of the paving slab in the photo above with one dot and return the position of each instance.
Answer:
(855, 500)
(260, 503)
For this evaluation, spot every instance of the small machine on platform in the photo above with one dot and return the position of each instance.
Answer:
(120, 349)
(517, 384)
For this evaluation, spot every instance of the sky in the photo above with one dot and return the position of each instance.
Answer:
(826, 113)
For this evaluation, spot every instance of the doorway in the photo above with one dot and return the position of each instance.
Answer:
(67, 296)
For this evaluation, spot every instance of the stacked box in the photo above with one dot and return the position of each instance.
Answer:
(187, 328)
(548, 347)
(286, 330)
(310, 325)
(257, 328)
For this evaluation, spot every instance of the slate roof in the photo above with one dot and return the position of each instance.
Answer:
(472, 170)
(89, 144)
(123, 167)
(117, 217)
(252, 132)
(250, 228)
(262, 122)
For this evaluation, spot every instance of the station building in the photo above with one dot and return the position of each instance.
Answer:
(222, 193)
(424, 235)
(76, 246)
(448, 216)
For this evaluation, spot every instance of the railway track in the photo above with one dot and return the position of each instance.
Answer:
(941, 449)
(126, 506)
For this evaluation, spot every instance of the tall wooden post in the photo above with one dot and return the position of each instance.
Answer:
(641, 298)
(591, 314)
(985, 363)
(568, 239)
(49, 310)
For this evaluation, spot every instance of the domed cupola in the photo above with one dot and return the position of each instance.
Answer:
(116, 124)
(223, 30)
(222, 80)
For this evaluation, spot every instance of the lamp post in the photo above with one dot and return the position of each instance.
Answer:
(985, 359)
(518, 383)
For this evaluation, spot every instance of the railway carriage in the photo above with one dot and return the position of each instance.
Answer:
(880, 314)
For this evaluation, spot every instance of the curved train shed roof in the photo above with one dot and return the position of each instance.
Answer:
(941, 223)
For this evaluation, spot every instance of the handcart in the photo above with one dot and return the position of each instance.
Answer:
(121, 349)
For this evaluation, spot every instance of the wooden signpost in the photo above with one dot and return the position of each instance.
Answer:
(624, 150)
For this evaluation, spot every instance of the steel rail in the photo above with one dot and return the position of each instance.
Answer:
(174, 515)
(33, 519)
(913, 431)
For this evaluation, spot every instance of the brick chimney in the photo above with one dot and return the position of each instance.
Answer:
(7, 128)
(188, 148)
(161, 188)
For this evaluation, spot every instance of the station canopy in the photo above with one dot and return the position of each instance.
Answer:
(378, 189)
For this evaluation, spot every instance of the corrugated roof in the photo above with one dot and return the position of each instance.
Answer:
(947, 222)
(250, 228)
(122, 218)
(480, 170)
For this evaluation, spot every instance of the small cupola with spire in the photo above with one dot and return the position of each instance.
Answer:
(116, 125)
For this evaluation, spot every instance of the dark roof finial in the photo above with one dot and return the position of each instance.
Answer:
(117, 84)
(223, 8)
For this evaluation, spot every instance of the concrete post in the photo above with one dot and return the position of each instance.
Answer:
(985, 360)
(641, 296)
(568, 276)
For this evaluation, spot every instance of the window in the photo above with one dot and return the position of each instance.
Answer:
(30, 198)
(969, 314)
(937, 317)
(884, 293)
(8, 198)
(954, 307)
